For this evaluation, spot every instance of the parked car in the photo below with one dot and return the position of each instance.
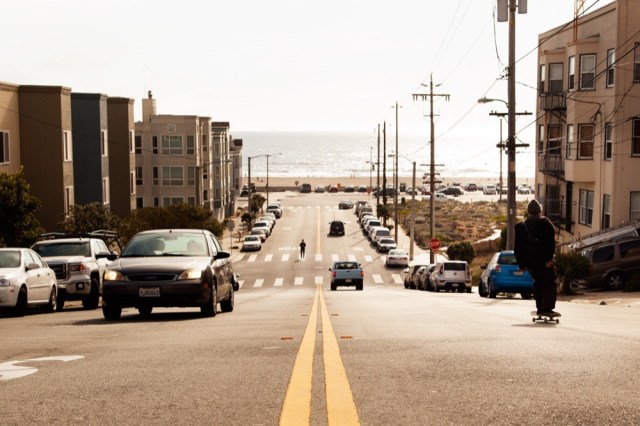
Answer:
(261, 233)
(503, 275)
(471, 187)
(451, 275)
(612, 262)
(349, 188)
(275, 209)
(359, 205)
(262, 224)
(320, 189)
(362, 189)
(489, 189)
(305, 188)
(333, 189)
(378, 232)
(25, 280)
(79, 261)
(423, 278)
(410, 274)
(523, 189)
(346, 274)
(454, 191)
(251, 243)
(345, 205)
(397, 257)
(169, 268)
(336, 227)
(384, 245)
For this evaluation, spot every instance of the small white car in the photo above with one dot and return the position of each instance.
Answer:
(385, 244)
(262, 224)
(251, 243)
(397, 257)
(26, 280)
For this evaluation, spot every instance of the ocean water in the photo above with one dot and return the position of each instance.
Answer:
(328, 154)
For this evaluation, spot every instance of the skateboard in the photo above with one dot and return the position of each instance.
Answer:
(545, 318)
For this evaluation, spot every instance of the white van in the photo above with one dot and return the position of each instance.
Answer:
(451, 275)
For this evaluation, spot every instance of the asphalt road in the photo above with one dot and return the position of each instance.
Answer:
(407, 357)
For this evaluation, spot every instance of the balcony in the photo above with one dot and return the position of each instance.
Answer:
(551, 165)
(553, 102)
(555, 210)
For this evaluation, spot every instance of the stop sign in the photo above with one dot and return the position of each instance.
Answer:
(434, 243)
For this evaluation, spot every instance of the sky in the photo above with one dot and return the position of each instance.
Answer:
(287, 65)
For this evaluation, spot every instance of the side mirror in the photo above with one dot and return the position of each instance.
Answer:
(222, 255)
(32, 266)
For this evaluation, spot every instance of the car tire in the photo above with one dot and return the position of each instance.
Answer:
(21, 303)
(614, 281)
(51, 306)
(111, 311)
(145, 311)
(227, 305)
(359, 286)
(406, 285)
(491, 291)
(91, 301)
(333, 287)
(209, 309)
(60, 302)
(482, 290)
(526, 296)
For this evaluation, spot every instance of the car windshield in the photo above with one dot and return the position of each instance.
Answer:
(251, 238)
(10, 259)
(166, 244)
(387, 241)
(507, 259)
(347, 265)
(455, 266)
(79, 248)
(396, 253)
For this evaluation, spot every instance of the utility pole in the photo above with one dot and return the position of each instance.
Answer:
(378, 170)
(395, 182)
(384, 164)
(432, 164)
(413, 206)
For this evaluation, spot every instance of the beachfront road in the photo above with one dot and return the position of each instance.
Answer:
(293, 352)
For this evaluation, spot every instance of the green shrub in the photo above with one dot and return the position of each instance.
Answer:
(461, 250)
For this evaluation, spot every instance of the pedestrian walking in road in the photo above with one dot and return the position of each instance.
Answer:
(534, 249)
(303, 245)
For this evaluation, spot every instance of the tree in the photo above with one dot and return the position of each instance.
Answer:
(570, 266)
(383, 212)
(18, 224)
(88, 218)
(257, 201)
(461, 250)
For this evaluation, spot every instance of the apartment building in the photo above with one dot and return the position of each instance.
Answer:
(182, 159)
(122, 159)
(9, 129)
(588, 121)
(46, 149)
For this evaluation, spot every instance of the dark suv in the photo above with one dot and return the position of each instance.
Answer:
(456, 191)
(612, 262)
(336, 227)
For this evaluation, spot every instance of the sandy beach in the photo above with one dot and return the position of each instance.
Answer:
(289, 182)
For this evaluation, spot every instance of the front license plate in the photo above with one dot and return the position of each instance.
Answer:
(149, 292)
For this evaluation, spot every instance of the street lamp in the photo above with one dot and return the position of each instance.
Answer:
(413, 203)
(501, 145)
(269, 155)
(249, 178)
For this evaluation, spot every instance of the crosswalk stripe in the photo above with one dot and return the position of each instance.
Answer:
(268, 258)
(335, 258)
(352, 257)
(258, 283)
(368, 258)
(318, 257)
(397, 279)
(279, 282)
(240, 283)
(239, 258)
(377, 278)
(252, 258)
(318, 280)
(285, 257)
(298, 281)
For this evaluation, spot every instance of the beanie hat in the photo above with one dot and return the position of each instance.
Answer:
(534, 208)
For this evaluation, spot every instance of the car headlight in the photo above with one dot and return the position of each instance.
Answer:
(111, 275)
(4, 282)
(191, 274)
(77, 267)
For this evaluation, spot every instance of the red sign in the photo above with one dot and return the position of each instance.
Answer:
(434, 243)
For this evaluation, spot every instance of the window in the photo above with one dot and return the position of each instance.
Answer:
(608, 140)
(167, 201)
(572, 72)
(630, 248)
(635, 137)
(139, 203)
(585, 140)
(634, 206)
(555, 139)
(570, 140)
(66, 145)
(172, 176)
(154, 145)
(139, 175)
(586, 207)
(156, 202)
(132, 183)
(587, 72)
(636, 63)
(205, 195)
(104, 149)
(611, 59)
(191, 176)
(131, 150)
(541, 139)
(555, 79)
(171, 145)
(138, 144)
(541, 80)
(68, 198)
(4, 147)
(171, 128)
(105, 190)
(156, 178)
(606, 211)
(191, 201)
(191, 144)
(603, 254)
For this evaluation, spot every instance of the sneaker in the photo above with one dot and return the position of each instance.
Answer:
(554, 314)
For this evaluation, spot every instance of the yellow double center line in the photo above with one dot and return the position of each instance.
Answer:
(341, 409)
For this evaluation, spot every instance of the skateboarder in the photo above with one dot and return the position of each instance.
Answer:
(534, 249)
(303, 245)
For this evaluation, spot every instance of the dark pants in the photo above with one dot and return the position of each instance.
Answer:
(544, 287)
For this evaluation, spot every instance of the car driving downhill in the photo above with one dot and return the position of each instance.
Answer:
(346, 274)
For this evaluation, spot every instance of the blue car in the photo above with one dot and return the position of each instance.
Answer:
(502, 275)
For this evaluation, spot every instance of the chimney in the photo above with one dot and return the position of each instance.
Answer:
(148, 107)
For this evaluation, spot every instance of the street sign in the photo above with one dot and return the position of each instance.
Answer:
(434, 243)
